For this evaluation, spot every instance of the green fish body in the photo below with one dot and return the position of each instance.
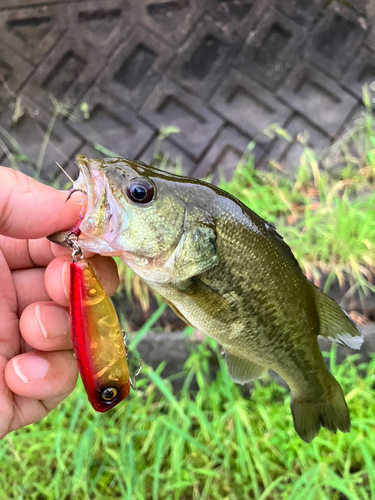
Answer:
(225, 271)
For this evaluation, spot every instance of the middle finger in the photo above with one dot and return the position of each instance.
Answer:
(29, 286)
(40, 284)
(57, 277)
(22, 254)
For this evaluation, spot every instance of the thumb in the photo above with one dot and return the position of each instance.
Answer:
(29, 209)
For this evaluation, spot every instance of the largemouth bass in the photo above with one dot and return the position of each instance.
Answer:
(225, 271)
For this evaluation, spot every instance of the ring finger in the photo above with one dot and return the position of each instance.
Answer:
(45, 326)
(57, 277)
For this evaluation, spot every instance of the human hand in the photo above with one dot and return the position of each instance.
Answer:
(37, 367)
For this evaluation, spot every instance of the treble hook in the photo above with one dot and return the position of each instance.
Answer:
(132, 377)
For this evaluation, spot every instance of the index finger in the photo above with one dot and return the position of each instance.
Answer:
(29, 209)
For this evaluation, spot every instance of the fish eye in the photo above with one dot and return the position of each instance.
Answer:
(140, 190)
(108, 394)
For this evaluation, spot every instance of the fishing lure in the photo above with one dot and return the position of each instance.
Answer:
(98, 341)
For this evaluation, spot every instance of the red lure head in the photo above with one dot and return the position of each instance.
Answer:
(97, 339)
(105, 398)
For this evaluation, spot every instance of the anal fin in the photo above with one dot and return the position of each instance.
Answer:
(242, 370)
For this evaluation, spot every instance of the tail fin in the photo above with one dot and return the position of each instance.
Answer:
(329, 411)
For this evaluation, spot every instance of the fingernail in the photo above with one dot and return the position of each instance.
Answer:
(53, 321)
(30, 369)
(65, 270)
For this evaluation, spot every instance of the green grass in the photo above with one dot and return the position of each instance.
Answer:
(212, 444)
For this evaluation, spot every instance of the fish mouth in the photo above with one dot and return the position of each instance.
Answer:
(97, 226)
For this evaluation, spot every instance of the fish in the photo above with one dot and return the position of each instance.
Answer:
(97, 339)
(225, 271)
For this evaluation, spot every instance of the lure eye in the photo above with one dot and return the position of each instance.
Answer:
(108, 394)
(140, 190)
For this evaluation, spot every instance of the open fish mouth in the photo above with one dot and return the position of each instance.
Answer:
(97, 227)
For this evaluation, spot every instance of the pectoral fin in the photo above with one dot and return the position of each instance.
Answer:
(242, 370)
(176, 311)
(197, 249)
(334, 323)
